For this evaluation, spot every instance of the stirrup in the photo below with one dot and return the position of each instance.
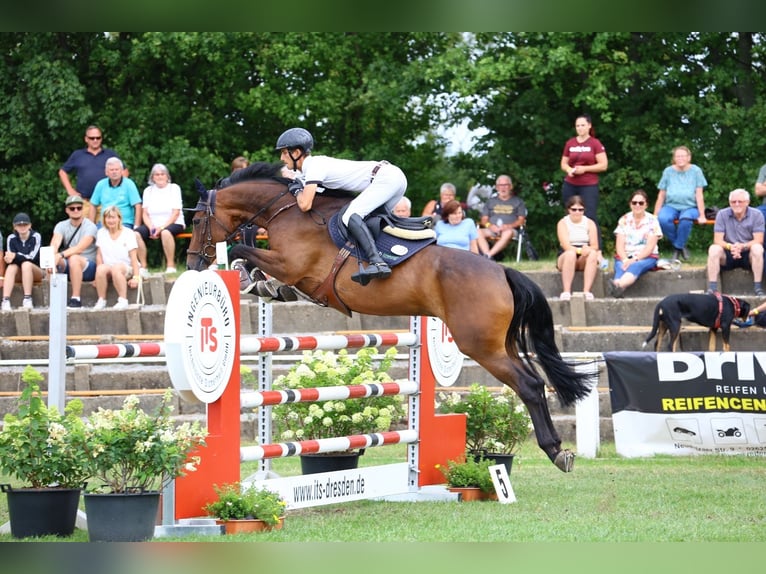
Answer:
(379, 270)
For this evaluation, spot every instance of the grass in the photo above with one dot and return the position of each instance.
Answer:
(606, 499)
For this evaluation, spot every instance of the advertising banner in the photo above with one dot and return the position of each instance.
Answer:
(688, 403)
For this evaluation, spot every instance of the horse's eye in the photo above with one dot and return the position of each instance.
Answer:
(196, 221)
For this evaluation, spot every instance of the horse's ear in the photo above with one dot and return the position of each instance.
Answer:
(201, 189)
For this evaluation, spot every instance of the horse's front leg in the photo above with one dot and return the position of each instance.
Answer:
(266, 260)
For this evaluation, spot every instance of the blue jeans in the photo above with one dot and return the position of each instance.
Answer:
(677, 236)
(636, 268)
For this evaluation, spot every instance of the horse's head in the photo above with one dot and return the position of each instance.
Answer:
(221, 214)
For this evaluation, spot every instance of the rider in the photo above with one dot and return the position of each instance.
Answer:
(377, 183)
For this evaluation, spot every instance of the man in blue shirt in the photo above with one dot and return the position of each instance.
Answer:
(117, 189)
(87, 164)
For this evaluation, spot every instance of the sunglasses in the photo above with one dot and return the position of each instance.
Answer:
(94, 137)
(74, 208)
(576, 209)
(638, 203)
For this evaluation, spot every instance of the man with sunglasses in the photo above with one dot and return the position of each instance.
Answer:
(74, 243)
(87, 164)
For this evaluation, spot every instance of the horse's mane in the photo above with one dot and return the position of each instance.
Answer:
(257, 170)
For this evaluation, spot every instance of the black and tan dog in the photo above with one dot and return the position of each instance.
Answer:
(716, 311)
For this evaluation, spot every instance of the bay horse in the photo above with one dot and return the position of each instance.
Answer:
(496, 315)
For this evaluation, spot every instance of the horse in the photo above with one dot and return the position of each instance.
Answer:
(495, 314)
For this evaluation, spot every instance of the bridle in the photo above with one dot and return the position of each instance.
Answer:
(242, 234)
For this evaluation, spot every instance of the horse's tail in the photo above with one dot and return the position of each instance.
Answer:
(533, 323)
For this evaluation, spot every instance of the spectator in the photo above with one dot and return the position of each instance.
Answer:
(583, 159)
(578, 238)
(737, 241)
(117, 189)
(377, 183)
(87, 164)
(636, 251)
(680, 199)
(501, 218)
(760, 189)
(22, 258)
(403, 208)
(447, 192)
(117, 258)
(453, 230)
(2, 261)
(162, 214)
(239, 162)
(74, 243)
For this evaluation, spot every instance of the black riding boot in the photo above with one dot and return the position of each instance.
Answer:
(378, 268)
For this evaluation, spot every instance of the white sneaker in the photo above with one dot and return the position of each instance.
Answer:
(27, 303)
(7, 305)
(100, 304)
(170, 270)
(144, 273)
(121, 304)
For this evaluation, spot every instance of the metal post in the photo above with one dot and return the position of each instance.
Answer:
(57, 342)
(265, 325)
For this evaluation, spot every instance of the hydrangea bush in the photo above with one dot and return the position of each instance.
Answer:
(326, 419)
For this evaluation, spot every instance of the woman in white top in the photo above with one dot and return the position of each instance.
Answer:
(163, 217)
(116, 258)
(578, 238)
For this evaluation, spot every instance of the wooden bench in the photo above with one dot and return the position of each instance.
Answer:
(188, 235)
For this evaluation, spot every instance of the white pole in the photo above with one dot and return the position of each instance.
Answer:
(587, 414)
(57, 342)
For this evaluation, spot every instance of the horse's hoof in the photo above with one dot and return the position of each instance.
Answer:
(565, 460)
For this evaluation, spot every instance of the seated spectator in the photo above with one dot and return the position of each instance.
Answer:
(22, 258)
(403, 208)
(737, 241)
(636, 251)
(74, 243)
(578, 238)
(447, 192)
(163, 218)
(680, 198)
(117, 189)
(760, 190)
(453, 230)
(501, 218)
(117, 258)
(239, 162)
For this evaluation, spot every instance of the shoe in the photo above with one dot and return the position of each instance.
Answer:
(677, 254)
(759, 292)
(144, 273)
(362, 236)
(121, 304)
(685, 254)
(710, 292)
(74, 303)
(588, 295)
(616, 291)
(565, 296)
(7, 305)
(100, 304)
(170, 270)
(27, 303)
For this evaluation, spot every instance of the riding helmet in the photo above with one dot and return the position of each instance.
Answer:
(295, 138)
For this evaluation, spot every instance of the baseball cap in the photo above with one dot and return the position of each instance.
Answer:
(73, 199)
(21, 219)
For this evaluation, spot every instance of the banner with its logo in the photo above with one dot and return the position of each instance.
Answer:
(688, 403)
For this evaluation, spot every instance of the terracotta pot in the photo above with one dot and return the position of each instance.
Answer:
(249, 525)
(472, 493)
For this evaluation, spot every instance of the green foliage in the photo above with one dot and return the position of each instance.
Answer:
(130, 450)
(39, 445)
(237, 503)
(326, 419)
(495, 422)
(468, 472)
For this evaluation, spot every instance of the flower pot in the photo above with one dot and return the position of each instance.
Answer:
(472, 493)
(42, 511)
(328, 462)
(249, 525)
(497, 457)
(121, 517)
